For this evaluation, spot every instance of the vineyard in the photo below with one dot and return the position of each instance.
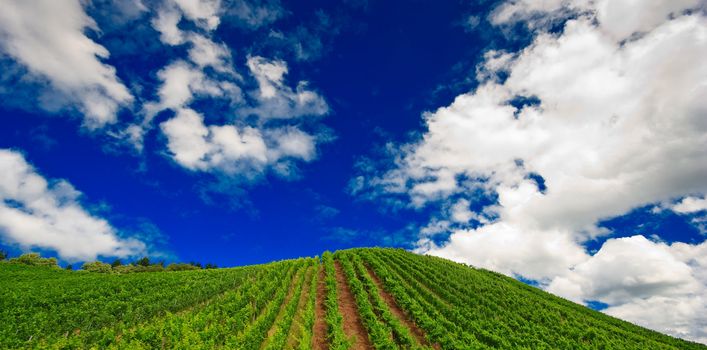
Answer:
(351, 299)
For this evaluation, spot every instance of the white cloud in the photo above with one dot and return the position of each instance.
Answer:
(277, 100)
(167, 24)
(460, 211)
(36, 213)
(243, 146)
(206, 53)
(623, 18)
(202, 12)
(620, 124)
(186, 135)
(245, 151)
(54, 47)
(504, 247)
(690, 205)
(182, 81)
(292, 142)
(620, 19)
(682, 317)
(625, 269)
(656, 285)
(611, 122)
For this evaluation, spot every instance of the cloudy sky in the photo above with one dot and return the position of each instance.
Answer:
(562, 142)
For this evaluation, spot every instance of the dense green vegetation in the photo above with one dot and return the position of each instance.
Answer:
(272, 306)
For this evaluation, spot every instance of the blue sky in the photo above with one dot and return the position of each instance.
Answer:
(376, 76)
(554, 142)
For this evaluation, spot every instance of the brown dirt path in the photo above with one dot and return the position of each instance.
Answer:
(416, 331)
(319, 340)
(353, 326)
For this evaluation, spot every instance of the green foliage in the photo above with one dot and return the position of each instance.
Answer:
(307, 324)
(400, 332)
(34, 259)
(462, 307)
(181, 267)
(287, 315)
(97, 266)
(272, 306)
(378, 332)
(3, 255)
(116, 263)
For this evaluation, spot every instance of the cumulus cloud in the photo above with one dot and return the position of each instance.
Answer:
(47, 214)
(619, 123)
(55, 48)
(656, 285)
(243, 146)
(182, 82)
(232, 150)
(243, 149)
(625, 269)
(240, 148)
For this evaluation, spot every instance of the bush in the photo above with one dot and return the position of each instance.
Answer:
(181, 267)
(35, 259)
(125, 269)
(138, 268)
(97, 266)
(3, 255)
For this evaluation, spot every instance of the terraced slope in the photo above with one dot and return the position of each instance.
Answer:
(352, 299)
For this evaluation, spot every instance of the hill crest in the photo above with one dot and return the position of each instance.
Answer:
(364, 298)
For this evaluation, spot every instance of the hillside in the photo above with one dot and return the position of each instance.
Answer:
(357, 299)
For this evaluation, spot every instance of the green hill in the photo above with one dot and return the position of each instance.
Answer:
(352, 299)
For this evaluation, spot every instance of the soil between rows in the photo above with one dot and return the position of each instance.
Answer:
(416, 331)
(319, 340)
(353, 326)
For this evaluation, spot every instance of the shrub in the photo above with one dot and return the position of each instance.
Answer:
(181, 267)
(148, 268)
(125, 269)
(137, 268)
(35, 259)
(97, 266)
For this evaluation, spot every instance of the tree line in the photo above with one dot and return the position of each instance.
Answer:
(143, 264)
